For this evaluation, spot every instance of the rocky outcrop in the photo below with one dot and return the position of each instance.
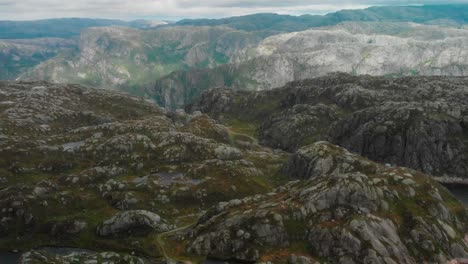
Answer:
(322, 158)
(418, 122)
(408, 134)
(349, 210)
(132, 222)
(302, 123)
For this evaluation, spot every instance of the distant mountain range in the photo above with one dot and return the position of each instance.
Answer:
(172, 63)
(375, 48)
(429, 14)
(62, 27)
(129, 59)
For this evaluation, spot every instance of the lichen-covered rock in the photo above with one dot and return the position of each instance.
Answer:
(321, 158)
(348, 210)
(303, 124)
(132, 222)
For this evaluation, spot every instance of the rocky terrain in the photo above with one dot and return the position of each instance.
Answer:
(130, 59)
(345, 209)
(99, 170)
(89, 168)
(417, 122)
(398, 49)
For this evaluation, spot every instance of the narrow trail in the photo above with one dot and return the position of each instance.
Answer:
(161, 243)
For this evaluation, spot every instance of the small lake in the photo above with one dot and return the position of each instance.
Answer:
(9, 258)
(459, 191)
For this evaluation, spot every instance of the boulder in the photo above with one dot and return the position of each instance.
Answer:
(132, 222)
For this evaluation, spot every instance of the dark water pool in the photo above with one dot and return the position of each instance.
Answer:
(460, 192)
(9, 258)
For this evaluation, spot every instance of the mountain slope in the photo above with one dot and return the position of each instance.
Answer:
(17, 56)
(128, 59)
(369, 48)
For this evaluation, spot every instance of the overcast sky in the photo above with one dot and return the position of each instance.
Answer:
(177, 9)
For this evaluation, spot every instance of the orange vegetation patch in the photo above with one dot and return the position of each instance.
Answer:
(281, 255)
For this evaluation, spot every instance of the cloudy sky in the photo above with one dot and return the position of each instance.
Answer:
(177, 9)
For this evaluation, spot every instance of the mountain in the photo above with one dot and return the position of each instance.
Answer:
(61, 27)
(129, 59)
(87, 168)
(416, 122)
(274, 23)
(359, 48)
(132, 60)
(17, 56)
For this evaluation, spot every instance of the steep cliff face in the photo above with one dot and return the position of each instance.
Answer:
(418, 122)
(128, 59)
(399, 49)
(347, 210)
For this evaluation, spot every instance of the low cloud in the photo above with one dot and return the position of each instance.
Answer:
(177, 9)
